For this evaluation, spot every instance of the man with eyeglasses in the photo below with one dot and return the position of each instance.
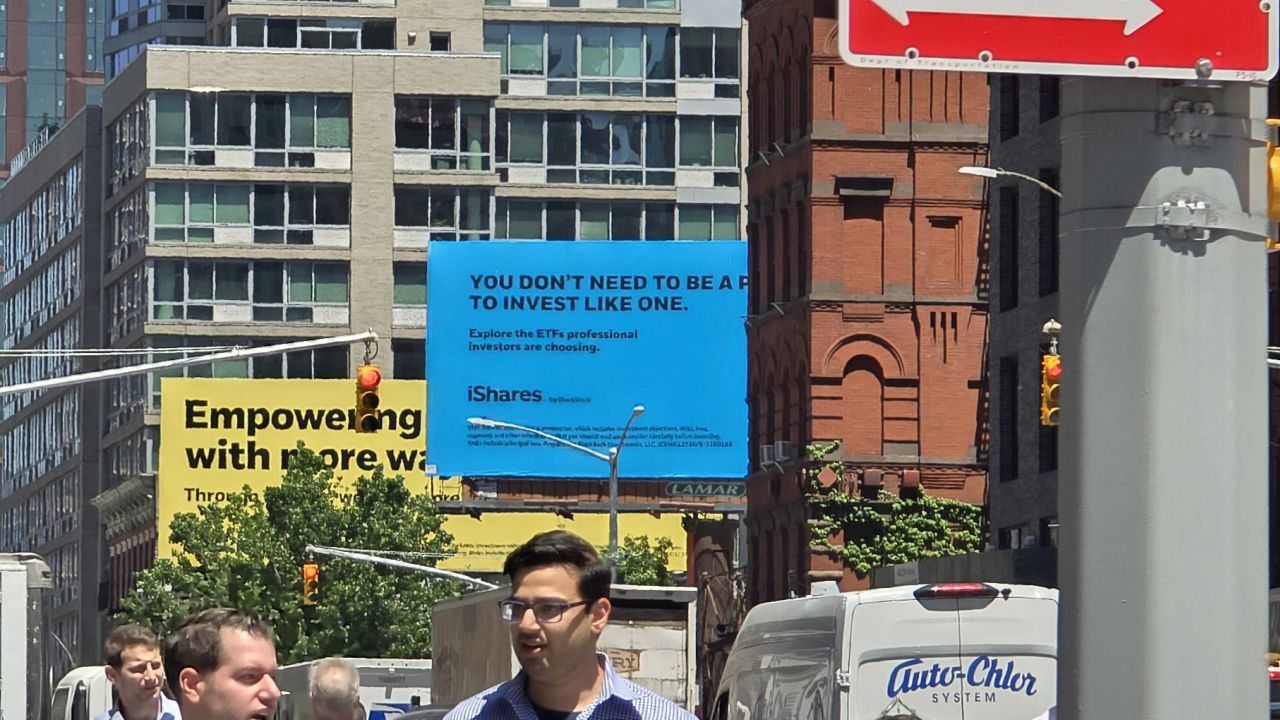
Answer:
(559, 606)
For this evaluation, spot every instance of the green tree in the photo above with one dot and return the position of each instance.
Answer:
(247, 553)
(888, 529)
(643, 563)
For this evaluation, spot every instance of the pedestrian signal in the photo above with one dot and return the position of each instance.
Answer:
(1050, 374)
(310, 583)
(368, 378)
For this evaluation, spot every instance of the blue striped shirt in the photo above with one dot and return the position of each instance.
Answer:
(620, 699)
(168, 711)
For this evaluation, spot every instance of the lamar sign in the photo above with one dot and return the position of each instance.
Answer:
(706, 489)
(1178, 39)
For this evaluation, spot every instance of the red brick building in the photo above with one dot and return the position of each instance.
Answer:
(868, 261)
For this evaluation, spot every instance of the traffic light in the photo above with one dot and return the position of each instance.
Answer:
(310, 583)
(1050, 374)
(1273, 174)
(368, 378)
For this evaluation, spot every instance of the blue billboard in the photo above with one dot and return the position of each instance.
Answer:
(568, 338)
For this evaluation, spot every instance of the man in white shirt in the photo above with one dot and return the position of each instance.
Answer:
(135, 669)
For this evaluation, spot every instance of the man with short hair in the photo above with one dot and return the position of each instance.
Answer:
(335, 690)
(134, 668)
(221, 665)
(558, 608)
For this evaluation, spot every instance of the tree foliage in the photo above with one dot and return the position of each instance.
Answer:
(889, 529)
(643, 563)
(247, 553)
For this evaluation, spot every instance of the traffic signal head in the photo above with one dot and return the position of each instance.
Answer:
(310, 583)
(1273, 179)
(1050, 374)
(368, 378)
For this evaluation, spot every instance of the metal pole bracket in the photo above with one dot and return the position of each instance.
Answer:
(1193, 219)
(1190, 123)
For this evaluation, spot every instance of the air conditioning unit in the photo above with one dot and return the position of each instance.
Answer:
(782, 451)
(768, 455)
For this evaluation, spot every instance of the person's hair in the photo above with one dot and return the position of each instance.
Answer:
(197, 643)
(127, 636)
(335, 687)
(560, 547)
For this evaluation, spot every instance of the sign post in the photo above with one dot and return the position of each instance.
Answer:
(1163, 469)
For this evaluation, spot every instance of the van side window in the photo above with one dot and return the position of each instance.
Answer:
(720, 711)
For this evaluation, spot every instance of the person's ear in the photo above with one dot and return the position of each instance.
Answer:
(600, 614)
(188, 685)
(113, 676)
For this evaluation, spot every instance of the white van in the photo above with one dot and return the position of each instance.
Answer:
(954, 651)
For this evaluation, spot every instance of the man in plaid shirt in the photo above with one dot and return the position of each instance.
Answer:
(558, 608)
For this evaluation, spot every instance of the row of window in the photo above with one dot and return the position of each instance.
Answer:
(619, 60)
(128, 227)
(278, 213)
(622, 4)
(29, 368)
(65, 564)
(273, 290)
(43, 297)
(618, 148)
(137, 454)
(127, 146)
(572, 220)
(48, 514)
(313, 33)
(44, 440)
(50, 216)
(282, 129)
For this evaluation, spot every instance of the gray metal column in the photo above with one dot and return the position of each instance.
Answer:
(1163, 472)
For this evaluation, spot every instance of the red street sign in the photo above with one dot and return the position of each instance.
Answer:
(1230, 40)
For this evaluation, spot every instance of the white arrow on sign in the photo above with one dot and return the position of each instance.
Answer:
(1134, 13)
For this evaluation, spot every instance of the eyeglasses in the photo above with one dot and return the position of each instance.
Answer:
(543, 612)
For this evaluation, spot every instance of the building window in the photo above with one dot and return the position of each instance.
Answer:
(283, 130)
(1048, 231)
(1008, 424)
(707, 53)
(409, 281)
(441, 41)
(454, 133)
(1008, 248)
(1049, 532)
(1050, 102)
(1013, 538)
(244, 291)
(276, 214)
(313, 33)
(410, 359)
(573, 220)
(448, 213)
(618, 148)
(1009, 109)
(619, 60)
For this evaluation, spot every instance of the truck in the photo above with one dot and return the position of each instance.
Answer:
(388, 687)
(651, 639)
(26, 584)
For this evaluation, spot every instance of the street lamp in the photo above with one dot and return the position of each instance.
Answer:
(611, 458)
(992, 173)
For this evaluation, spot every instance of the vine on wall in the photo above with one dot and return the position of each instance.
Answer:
(889, 529)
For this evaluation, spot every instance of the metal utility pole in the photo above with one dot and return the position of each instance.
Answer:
(1163, 476)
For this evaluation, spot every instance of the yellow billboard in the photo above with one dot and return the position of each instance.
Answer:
(218, 435)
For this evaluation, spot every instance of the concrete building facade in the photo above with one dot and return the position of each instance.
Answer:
(50, 289)
(869, 279)
(1024, 296)
(282, 183)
